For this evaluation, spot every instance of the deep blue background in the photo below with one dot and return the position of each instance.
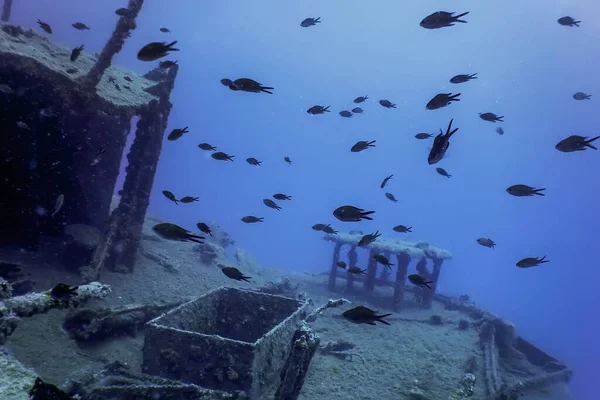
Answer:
(528, 66)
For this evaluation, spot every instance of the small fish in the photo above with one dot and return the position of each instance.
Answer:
(381, 259)
(441, 144)
(98, 157)
(364, 315)
(170, 196)
(219, 155)
(188, 199)
(402, 229)
(387, 104)
(346, 114)
(251, 86)
(63, 292)
(531, 262)
(177, 133)
(357, 270)
(441, 19)
(271, 204)
(44, 26)
(568, 21)
(165, 30)
(391, 197)
(423, 135)
(462, 78)
(76, 52)
(71, 70)
(60, 200)
(499, 130)
(314, 110)
(357, 110)
(175, 232)
(123, 12)
(576, 143)
(418, 280)
(386, 180)
(486, 242)
(582, 96)
(288, 160)
(328, 229)
(443, 172)
(360, 99)
(6, 89)
(128, 79)
(167, 64)
(319, 227)
(351, 214)
(117, 87)
(281, 196)
(524, 190)
(362, 145)
(441, 100)
(206, 146)
(112, 79)
(155, 50)
(235, 274)
(80, 26)
(253, 161)
(310, 22)
(491, 117)
(202, 227)
(341, 264)
(23, 125)
(250, 219)
(127, 87)
(368, 238)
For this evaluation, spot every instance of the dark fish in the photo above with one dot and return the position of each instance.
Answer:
(462, 78)
(402, 229)
(46, 391)
(357, 270)
(235, 274)
(362, 145)
(423, 135)
(44, 26)
(524, 190)
(251, 86)
(441, 144)
(368, 238)
(253, 161)
(71, 70)
(328, 229)
(381, 259)
(117, 87)
(486, 242)
(310, 22)
(271, 204)
(341, 264)
(202, 227)
(80, 26)
(319, 227)
(288, 160)
(391, 197)
(352, 214)
(357, 110)
(219, 155)
(346, 114)
(128, 79)
(250, 219)
(281, 196)
(63, 292)
(165, 30)
(123, 12)
(175, 232)
(170, 196)
(76, 52)
(442, 100)
(364, 315)
(582, 96)
(443, 172)
(112, 79)
(361, 99)
(177, 133)
(575, 143)
(386, 180)
(531, 262)
(167, 64)
(418, 280)
(229, 83)
(188, 199)
(387, 104)
(206, 146)
(441, 19)
(491, 117)
(155, 50)
(568, 21)
(499, 130)
(314, 110)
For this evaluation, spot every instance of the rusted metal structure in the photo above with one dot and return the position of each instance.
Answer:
(403, 252)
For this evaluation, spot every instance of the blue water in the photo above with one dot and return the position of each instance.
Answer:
(528, 68)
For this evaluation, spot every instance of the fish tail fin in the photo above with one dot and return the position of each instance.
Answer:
(473, 76)
(245, 279)
(501, 118)
(266, 89)
(427, 284)
(170, 46)
(195, 238)
(449, 176)
(537, 191)
(454, 97)
(543, 260)
(576, 23)
(456, 18)
(366, 214)
(380, 318)
(318, 20)
(73, 289)
(589, 141)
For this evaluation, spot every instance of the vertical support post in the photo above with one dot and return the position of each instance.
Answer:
(334, 267)
(437, 267)
(352, 257)
(371, 272)
(403, 260)
(425, 274)
(6, 10)
(385, 271)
